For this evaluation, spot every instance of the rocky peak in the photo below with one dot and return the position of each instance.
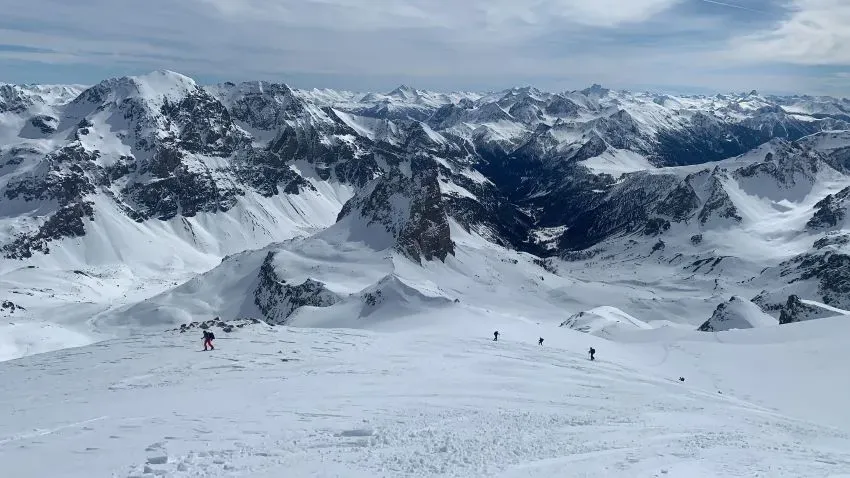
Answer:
(718, 207)
(277, 299)
(152, 90)
(795, 310)
(407, 207)
(737, 313)
(201, 124)
(830, 211)
(595, 91)
(680, 203)
(13, 99)
(404, 92)
(562, 107)
(262, 105)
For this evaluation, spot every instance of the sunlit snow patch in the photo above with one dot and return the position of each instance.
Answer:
(604, 321)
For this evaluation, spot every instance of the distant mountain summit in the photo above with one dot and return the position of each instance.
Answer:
(173, 177)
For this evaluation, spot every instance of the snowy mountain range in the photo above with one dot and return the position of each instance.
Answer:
(147, 201)
(354, 252)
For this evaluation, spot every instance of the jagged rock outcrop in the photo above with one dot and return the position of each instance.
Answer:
(832, 241)
(737, 313)
(794, 310)
(277, 300)
(68, 221)
(9, 307)
(830, 211)
(718, 205)
(409, 208)
(680, 203)
(831, 270)
(226, 326)
(822, 275)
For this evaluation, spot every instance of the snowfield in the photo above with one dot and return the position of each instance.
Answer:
(446, 401)
(365, 247)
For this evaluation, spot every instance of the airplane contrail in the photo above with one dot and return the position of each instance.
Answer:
(732, 5)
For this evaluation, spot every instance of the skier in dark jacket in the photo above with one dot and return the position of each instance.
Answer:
(540, 342)
(592, 353)
(208, 338)
(495, 336)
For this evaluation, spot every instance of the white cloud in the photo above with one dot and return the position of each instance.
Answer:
(468, 14)
(357, 37)
(817, 33)
(449, 43)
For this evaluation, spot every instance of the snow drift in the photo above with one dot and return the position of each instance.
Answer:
(605, 322)
(738, 313)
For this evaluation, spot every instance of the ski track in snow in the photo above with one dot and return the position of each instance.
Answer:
(271, 402)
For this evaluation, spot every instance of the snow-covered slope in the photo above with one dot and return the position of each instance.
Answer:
(385, 236)
(349, 278)
(444, 401)
(604, 321)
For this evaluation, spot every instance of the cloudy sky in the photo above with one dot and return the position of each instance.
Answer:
(674, 45)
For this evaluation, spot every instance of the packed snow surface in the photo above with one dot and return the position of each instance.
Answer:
(442, 401)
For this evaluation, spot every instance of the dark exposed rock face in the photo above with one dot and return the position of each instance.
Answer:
(265, 106)
(830, 211)
(45, 124)
(832, 240)
(10, 307)
(718, 204)
(832, 271)
(707, 139)
(426, 234)
(68, 221)
(625, 209)
(718, 317)
(680, 203)
(794, 310)
(269, 174)
(203, 125)
(277, 300)
(411, 209)
(64, 176)
(175, 189)
(14, 100)
(825, 267)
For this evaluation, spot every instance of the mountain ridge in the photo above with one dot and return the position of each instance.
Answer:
(145, 182)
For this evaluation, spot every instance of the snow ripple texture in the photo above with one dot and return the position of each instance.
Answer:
(273, 402)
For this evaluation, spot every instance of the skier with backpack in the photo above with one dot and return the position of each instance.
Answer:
(496, 336)
(540, 342)
(592, 353)
(208, 338)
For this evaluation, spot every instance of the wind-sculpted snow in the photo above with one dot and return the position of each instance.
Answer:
(606, 322)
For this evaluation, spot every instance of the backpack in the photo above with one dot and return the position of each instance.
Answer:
(212, 336)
